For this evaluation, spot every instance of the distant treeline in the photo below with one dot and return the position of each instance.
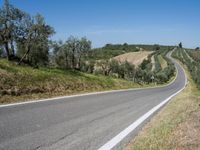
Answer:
(112, 50)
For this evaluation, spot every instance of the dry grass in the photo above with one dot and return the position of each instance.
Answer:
(162, 61)
(187, 134)
(22, 83)
(135, 58)
(153, 63)
(177, 126)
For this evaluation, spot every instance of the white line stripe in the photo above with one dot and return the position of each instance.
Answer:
(118, 138)
(114, 141)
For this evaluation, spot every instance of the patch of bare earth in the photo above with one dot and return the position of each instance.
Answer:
(187, 134)
(135, 58)
(153, 63)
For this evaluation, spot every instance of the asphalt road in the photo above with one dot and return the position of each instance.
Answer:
(85, 122)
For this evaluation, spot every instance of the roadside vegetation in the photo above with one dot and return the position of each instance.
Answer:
(191, 59)
(20, 83)
(176, 126)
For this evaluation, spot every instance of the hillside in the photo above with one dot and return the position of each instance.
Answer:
(135, 58)
(20, 83)
(113, 50)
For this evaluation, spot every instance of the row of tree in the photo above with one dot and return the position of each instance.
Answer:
(193, 65)
(23, 36)
(69, 54)
(26, 38)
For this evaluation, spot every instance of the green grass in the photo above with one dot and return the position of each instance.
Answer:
(162, 61)
(21, 83)
(162, 131)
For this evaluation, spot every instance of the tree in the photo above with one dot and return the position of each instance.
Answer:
(129, 70)
(180, 45)
(10, 18)
(114, 66)
(197, 48)
(144, 64)
(1, 51)
(34, 40)
(125, 46)
(84, 46)
(157, 47)
(104, 65)
(69, 54)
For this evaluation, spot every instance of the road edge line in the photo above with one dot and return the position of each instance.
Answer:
(123, 134)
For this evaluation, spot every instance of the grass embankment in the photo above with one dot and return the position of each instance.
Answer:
(162, 61)
(21, 83)
(176, 126)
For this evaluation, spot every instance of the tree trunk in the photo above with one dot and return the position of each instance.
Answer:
(79, 63)
(7, 50)
(73, 60)
(25, 55)
(12, 48)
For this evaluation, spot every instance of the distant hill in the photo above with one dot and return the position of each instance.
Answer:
(113, 50)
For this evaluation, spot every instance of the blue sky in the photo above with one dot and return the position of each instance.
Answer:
(117, 21)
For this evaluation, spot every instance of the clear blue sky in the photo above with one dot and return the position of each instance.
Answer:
(119, 21)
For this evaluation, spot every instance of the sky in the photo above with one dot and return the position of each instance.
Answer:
(165, 22)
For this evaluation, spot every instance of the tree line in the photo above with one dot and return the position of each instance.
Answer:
(193, 65)
(26, 38)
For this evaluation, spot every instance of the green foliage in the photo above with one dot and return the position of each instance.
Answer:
(88, 67)
(193, 65)
(33, 45)
(10, 19)
(145, 64)
(180, 45)
(69, 54)
(28, 34)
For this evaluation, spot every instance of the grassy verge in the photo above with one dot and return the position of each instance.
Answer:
(22, 83)
(176, 126)
(162, 61)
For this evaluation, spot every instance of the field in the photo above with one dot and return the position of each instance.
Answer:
(111, 50)
(135, 58)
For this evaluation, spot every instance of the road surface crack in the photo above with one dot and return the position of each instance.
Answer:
(53, 142)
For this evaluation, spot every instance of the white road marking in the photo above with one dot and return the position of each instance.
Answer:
(118, 138)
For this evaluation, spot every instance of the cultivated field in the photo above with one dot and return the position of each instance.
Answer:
(135, 58)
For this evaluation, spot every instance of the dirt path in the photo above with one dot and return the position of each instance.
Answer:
(153, 63)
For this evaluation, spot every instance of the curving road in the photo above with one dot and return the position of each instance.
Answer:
(80, 122)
